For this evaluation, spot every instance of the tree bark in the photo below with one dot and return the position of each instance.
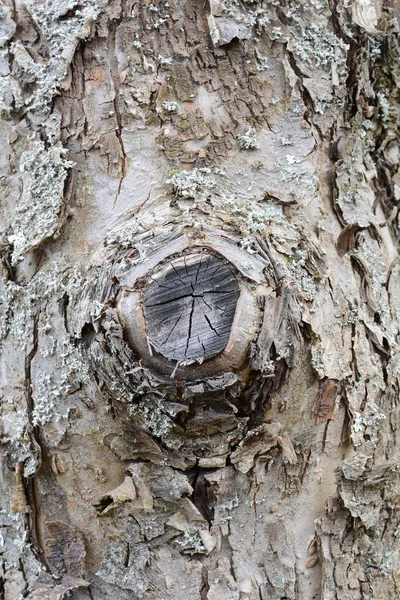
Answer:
(200, 293)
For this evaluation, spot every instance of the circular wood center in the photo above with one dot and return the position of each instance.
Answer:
(189, 308)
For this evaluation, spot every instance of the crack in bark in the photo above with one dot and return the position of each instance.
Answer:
(32, 495)
(115, 79)
(306, 463)
(305, 94)
(28, 362)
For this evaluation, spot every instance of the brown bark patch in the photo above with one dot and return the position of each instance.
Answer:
(346, 239)
(324, 405)
(65, 549)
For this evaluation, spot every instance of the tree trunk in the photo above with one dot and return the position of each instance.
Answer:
(200, 300)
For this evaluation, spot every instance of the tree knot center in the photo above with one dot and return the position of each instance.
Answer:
(189, 306)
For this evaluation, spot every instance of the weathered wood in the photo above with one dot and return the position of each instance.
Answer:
(189, 307)
(134, 133)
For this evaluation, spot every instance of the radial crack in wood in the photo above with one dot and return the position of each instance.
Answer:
(189, 308)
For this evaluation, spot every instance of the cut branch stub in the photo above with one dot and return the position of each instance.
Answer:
(193, 316)
(189, 308)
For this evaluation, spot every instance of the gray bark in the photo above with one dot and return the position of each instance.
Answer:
(151, 456)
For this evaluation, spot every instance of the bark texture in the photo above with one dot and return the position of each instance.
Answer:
(136, 135)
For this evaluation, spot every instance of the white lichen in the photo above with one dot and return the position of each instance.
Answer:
(68, 368)
(39, 208)
(170, 107)
(191, 543)
(61, 35)
(164, 60)
(154, 416)
(287, 141)
(124, 236)
(225, 509)
(248, 215)
(18, 302)
(384, 106)
(8, 26)
(262, 62)
(248, 140)
(257, 18)
(158, 15)
(252, 217)
(367, 425)
(305, 282)
(73, 372)
(321, 48)
(195, 184)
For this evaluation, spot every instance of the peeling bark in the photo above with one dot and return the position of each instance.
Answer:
(138, 137)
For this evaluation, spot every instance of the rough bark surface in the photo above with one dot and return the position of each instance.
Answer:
(138, 133)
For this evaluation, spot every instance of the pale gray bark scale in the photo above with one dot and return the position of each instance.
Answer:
(139, 134)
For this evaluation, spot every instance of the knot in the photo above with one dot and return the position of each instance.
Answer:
(189, 306)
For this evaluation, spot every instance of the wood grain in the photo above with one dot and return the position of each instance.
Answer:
(189, 308)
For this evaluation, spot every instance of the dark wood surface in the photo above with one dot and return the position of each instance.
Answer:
(189, 307)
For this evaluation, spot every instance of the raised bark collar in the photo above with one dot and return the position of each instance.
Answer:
(193, 316)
